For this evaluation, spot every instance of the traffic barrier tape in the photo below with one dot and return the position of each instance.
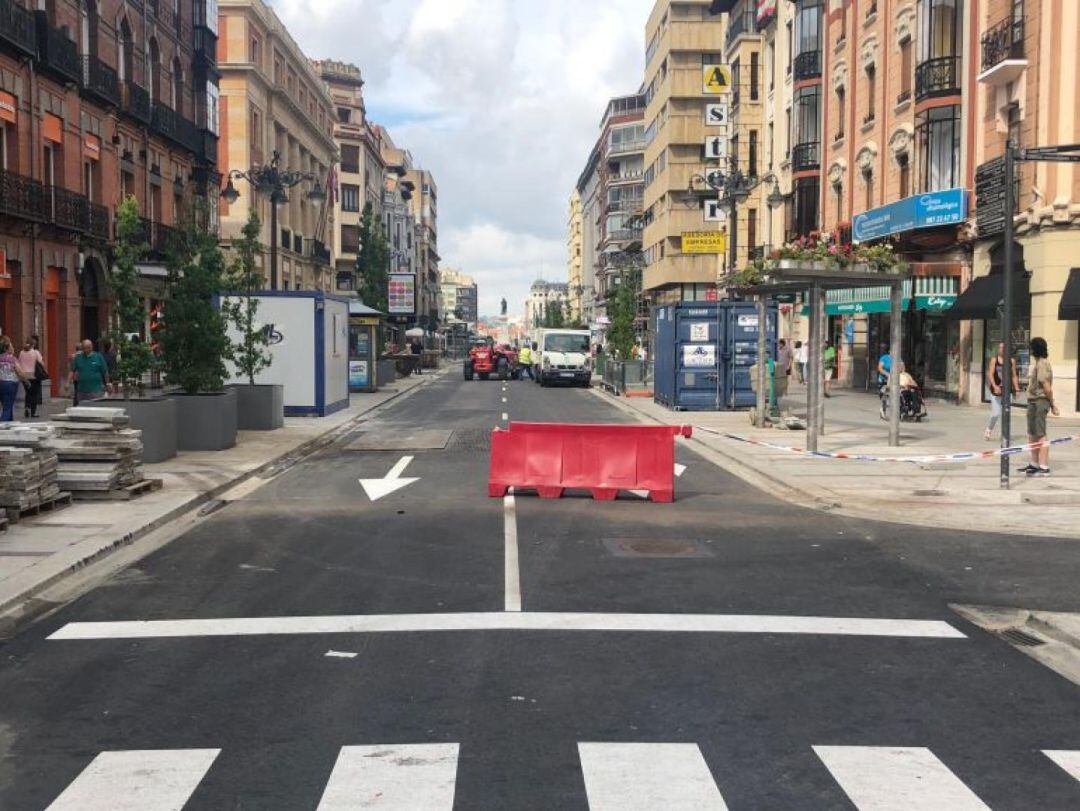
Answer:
(969, 456)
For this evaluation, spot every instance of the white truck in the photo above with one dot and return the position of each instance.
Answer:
(563, 356)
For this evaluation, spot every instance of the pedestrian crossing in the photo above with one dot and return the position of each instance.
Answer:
(617, 777)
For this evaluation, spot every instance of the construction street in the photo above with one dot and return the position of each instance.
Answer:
(369, 624)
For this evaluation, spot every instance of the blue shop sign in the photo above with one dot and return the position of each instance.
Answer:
(928, 210)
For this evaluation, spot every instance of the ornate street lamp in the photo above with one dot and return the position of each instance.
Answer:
(273, 182)
(733, 187)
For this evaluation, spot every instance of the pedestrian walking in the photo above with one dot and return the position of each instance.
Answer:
(802, 357)
(11, 375)
(89, 373)
(33, 366)
(996, 364)
(829, 362)
(417, 350)
(1040, 392)
(784, 357)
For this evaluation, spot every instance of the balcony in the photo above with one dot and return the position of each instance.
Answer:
(18, 29)
(98, 226)
(629, 145)
(806, 157)
(67, 209)
(57, 53)
(136, 102)
(100, 81)
(740, 25)
(158, 237)
(1003, 53)
(163, 120)
(22, 197)
(320, 253)
(208, 147)
(807, 65)
(937, 77)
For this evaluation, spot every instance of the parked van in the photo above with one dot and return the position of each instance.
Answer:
(564, 356)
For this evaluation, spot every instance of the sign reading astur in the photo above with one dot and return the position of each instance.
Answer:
(716, 79)
(716, 115)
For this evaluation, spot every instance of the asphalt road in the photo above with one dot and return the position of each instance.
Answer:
(407, 714)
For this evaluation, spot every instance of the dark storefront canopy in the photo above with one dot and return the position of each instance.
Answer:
(983, 298)
(1070, 299)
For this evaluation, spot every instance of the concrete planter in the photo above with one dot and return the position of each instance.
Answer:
(385, 372)
(206, 422)
(156, 418)
(259, 408)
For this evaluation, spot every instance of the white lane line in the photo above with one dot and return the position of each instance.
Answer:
(137, 780)
(647, 776)
(340, 654)
(882, 778)
(394, 778)
(512, 570)
(679, 470)
(422, 623)
(1069, 761)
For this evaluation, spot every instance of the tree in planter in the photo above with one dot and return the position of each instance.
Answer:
(623, 312)
(373, 281)
(194, 342)
(135, 358)
(251, 353)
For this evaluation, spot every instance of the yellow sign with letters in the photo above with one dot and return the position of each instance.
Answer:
(716, 79)
(704, 242)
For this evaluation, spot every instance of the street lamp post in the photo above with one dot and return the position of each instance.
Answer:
(274, 182)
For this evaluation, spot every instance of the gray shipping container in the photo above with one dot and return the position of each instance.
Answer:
(704, 351)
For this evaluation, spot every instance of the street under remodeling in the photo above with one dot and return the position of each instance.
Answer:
(366, 628)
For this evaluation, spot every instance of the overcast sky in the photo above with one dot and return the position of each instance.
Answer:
(500, 99)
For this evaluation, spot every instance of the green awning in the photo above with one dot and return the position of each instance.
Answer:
(931, 303)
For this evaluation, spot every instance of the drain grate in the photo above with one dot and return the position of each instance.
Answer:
(1021, 638)
(656, 548)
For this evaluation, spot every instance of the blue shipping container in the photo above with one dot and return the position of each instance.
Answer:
(704, 351)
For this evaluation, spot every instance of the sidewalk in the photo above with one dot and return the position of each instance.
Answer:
(945, 494)
(39, 551)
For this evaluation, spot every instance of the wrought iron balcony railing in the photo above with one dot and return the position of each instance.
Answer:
(158, 236)
(100, 80)
(57, 53)
(99, 222)
(163, 120)
(805, 157)
(807, 65)
(937, 77)
(22, 197)
(18, 28)
(137, 102)
(320, 253)
(69, 210)
(1004, 41)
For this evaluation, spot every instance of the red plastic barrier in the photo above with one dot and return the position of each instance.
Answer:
(603, 459)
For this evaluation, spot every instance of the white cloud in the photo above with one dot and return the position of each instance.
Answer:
(500, 99)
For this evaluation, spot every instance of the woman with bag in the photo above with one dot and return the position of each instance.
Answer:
(33, 366)
(11, 374)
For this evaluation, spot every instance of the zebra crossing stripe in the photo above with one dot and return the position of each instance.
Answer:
(1069, 761)
(137, 780)
(393, 778)
(647, 776)
(883, 778)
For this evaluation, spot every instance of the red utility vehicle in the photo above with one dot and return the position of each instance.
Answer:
(486, 358)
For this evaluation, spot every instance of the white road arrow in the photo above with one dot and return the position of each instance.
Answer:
(380, 488)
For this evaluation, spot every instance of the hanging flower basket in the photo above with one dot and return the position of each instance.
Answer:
(821, 255)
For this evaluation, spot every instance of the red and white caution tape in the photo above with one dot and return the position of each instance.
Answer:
(972, 456)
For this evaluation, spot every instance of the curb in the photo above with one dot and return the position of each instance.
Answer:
(10, 604)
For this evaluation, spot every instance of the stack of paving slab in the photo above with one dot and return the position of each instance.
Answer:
(97, 451)
(28, 467)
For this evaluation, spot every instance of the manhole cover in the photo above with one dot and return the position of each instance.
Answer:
(656, 548)
(429, 440)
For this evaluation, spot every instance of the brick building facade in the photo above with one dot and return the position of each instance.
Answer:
(98, 99)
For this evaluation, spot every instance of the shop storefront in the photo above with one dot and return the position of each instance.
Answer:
(859, 323)
(1069, 311)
